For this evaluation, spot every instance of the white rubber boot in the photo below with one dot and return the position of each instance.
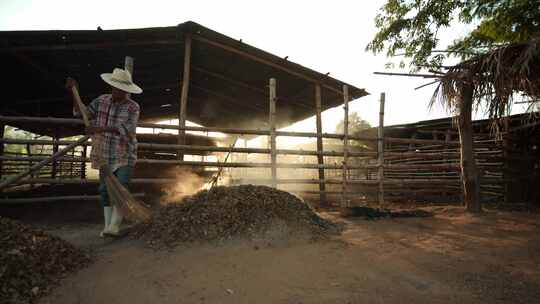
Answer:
(116, 221)
(107, 215)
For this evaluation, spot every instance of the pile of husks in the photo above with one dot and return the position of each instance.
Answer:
(32, 262)
(223, 213)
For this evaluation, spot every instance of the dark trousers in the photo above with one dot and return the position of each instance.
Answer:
(123, 174)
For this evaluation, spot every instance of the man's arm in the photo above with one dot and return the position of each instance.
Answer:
(129, 128)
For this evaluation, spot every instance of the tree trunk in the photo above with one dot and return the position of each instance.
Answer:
(469, 173)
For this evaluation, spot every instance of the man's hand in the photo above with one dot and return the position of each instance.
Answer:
(93, 130)
(70, 83)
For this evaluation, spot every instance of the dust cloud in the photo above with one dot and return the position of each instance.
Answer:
(187, 183)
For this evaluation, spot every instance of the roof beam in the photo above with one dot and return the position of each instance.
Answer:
(267, 62)
(245, 85)
(234, 81)
(227, 98)
(87, 46)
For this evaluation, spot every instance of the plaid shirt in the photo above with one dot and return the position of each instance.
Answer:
(116, 150)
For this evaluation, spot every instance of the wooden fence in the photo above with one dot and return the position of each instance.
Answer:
(398, 169)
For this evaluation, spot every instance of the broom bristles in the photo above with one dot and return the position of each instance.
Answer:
(131, 208)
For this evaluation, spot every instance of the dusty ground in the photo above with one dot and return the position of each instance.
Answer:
(450, 258)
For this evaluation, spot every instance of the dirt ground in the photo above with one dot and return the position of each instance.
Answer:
(450, 258)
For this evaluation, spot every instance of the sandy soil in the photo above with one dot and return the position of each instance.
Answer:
(450, 258)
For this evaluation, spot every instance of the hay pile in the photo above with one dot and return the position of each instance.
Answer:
(223, 213)
(32, 262)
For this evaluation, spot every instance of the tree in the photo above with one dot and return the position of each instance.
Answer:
(356, 124)
(412, 26)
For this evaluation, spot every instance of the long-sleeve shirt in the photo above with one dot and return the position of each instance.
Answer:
(114, 149)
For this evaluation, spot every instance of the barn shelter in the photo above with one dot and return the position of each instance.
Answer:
(225, 81)
(188, 72)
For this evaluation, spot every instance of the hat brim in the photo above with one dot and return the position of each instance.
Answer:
(130, 88)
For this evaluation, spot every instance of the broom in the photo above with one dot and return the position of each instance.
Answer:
(131, 208)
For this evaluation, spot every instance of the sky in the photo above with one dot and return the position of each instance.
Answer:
(327, 36)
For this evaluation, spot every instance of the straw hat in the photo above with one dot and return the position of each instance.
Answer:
(121, 79)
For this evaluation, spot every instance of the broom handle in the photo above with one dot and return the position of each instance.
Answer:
(41, 164)
(81, 106)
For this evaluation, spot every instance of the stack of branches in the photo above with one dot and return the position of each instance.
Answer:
(495, 78)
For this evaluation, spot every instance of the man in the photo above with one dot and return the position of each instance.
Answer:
(113, 122)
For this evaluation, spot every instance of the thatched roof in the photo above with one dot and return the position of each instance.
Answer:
(496, 77)
(228, 85)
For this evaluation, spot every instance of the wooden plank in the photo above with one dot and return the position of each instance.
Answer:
(77, 181)
(182, 115)
(372, 182)
(380, 149)
(408, 75)
(70, 121)
(89, 46)
(389, 167)
(150, 146)
(320, 157)
(272, 129)
(47, 199)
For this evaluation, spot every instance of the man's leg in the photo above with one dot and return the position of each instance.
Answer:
(107, 209)
(123, 174)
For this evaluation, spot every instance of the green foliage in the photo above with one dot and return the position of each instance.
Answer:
(11, 132)
(411, 27)
(356, 124)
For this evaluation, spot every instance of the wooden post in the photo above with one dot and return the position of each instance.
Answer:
(128, 64)
(469, 173)
(54, 163)
(506, 167)
(2, 127)
(320, 157)
(71, 164)
(83, 164)
(184, 95)
(272, 127)
(344, 187)
(30, 163)
(380, 149)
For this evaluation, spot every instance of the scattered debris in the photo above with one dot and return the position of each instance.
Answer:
(32, 262)
(230, 212)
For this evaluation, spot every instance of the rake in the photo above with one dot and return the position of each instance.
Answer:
(215, 178)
